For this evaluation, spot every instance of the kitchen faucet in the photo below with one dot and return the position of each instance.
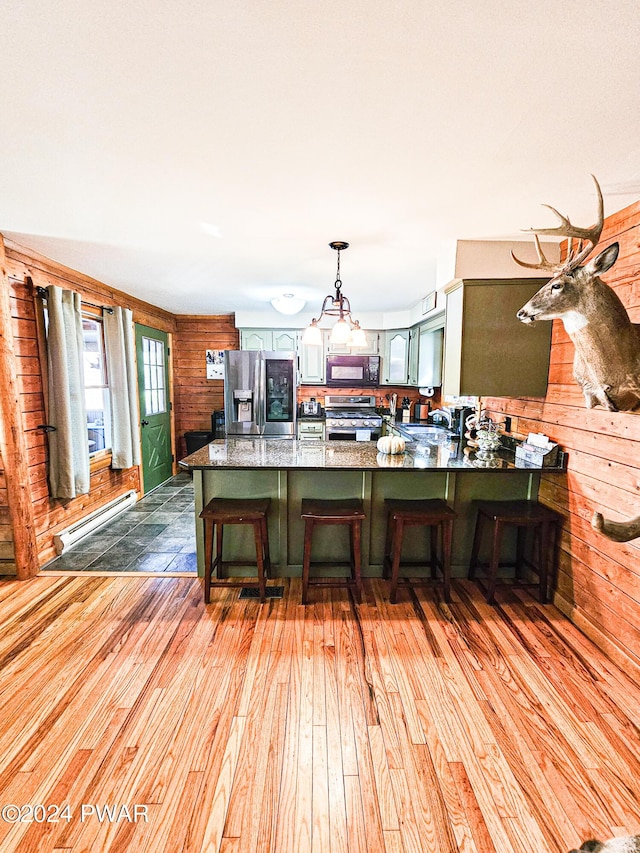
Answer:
(447, 415)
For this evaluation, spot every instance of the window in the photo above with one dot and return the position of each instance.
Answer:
(96, 386)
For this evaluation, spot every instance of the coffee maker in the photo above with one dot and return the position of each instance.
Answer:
(458, 419)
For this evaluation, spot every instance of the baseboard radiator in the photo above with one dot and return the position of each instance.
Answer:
(68, 538)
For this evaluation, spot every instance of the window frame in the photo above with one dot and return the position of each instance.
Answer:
(97, 457)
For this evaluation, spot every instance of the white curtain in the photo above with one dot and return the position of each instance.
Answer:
(121, 370)
(68, 444)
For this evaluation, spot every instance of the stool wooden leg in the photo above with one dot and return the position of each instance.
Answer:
(208, 558)
(554, 527)
(447, 539)
(521, 534)
(433, 542)
(398, 531)
(352, 553)
(265, 543)
(388, 544)
(218, 561)
(306, 558)
(475, 550)
(257, 533)
(494, 562)
(356, 540)
(543, 562)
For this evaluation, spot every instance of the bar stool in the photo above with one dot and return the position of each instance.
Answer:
(347, 512)
(216, 514)
(433, 513)
(523, 515)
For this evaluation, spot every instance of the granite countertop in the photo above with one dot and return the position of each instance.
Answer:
(445, 454)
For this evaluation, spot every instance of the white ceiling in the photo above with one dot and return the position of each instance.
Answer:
(202, 154)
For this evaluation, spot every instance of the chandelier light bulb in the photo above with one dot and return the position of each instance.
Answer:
(341, 332)
(312, 335)
(358, 337)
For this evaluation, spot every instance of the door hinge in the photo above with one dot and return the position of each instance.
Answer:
(170, 406)
(173, 458)
(168, 351)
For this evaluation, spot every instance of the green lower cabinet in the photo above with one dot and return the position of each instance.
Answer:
(413, 485)
(287, 488)
(330, 542)
(239, 542)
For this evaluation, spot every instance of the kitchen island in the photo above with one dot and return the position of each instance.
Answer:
(289, 470)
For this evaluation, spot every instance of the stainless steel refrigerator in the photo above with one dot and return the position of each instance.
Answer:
(259, 394)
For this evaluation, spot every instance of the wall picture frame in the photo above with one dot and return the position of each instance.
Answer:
(429, 302)
(215, 363)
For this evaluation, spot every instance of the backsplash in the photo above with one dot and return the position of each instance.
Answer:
(306, 392)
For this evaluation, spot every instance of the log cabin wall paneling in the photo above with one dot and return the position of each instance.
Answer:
(22, 556)
(195, 396)
(598, 582)
(7, 564)
(24, 267)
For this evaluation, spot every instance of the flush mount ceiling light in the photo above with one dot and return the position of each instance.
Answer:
(346, 330)
(288, 303)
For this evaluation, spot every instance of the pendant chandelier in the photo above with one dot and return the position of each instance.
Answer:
(346, 330)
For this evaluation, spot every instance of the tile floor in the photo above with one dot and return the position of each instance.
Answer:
(155, 535)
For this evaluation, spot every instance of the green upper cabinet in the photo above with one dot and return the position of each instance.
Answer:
(408, 356)
(271, 340)
(256, 339)
(414, 350)
(488, 351)
(414, 356)
(284, 340)
(395, 359)
(311, 361)
(430, 339)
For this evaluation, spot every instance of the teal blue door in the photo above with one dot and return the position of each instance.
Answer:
(152, 354)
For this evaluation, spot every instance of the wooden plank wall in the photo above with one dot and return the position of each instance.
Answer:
(6, 535)
(598, 582)
(195, 396)
(54, 515)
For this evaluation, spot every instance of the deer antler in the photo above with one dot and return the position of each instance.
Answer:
(567, 229)
(619, 531)
(543, 262)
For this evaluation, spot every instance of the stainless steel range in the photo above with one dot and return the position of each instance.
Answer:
(351, 418)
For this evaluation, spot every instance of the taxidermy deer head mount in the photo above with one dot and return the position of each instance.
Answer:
(607, 344)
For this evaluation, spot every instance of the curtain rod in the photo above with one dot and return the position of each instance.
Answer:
(42, 293)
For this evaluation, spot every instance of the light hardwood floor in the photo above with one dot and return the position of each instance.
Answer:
(277, 727)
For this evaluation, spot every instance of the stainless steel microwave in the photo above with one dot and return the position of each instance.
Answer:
(351, 371)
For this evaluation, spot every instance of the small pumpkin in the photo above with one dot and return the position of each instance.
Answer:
(391, 444)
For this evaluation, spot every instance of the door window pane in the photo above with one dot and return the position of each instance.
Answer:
(153, 358)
